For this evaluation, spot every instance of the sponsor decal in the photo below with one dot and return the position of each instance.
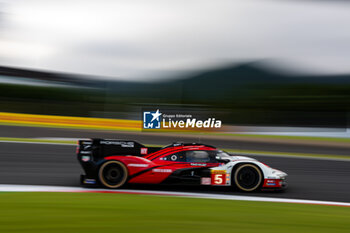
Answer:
(85, 152)
(144, 151)
(85, 147)
(162, 170)
(137, 165)
(118, 143)
(218, 172)
(272, 182)
(277, 183)
(199, 164)
(89, 181)
(85, 158)
(227, 178)
(205, 181)
(158, 120)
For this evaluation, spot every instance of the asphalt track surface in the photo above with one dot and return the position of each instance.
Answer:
(42, 164)
(34, 132)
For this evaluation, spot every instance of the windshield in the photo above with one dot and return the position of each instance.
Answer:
(223, 154)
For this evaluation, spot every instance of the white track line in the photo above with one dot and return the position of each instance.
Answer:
(39, 188)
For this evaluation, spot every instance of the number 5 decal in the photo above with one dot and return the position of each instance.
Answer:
(218, 179)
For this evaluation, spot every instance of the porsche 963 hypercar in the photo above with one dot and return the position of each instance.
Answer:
(114, 163)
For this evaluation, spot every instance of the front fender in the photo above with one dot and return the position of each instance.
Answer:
(268, 172)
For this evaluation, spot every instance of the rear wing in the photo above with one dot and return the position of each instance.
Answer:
(98, 147)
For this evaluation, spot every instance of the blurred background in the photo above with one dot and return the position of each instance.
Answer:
(276, 73)
(254, 62)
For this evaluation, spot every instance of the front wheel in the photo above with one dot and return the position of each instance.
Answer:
(248, 177)
(113, 174)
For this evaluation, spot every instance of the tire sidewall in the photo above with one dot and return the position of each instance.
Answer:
(102, 180)
(236, 177)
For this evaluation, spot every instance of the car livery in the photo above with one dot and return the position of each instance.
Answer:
(113, 163)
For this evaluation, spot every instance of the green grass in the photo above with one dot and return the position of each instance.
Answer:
(97, 212)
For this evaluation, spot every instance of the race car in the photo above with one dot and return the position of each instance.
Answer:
(113, 163)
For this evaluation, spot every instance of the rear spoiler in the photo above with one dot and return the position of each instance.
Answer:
(107, 147)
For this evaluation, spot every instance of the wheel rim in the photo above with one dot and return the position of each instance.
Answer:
(248, 177)
(113, 174)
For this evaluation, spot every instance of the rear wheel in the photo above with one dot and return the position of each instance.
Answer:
(248, 177)
(113, 174)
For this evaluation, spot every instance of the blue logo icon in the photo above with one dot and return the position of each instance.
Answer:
(151, 120)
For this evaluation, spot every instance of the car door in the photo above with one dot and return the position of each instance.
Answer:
(200, 158)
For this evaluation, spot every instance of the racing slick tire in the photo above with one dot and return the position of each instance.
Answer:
(113, 174)
(248, 177)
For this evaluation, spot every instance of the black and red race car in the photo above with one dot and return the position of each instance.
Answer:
(113, 163)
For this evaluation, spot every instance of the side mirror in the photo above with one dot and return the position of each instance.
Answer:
(223, 160)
